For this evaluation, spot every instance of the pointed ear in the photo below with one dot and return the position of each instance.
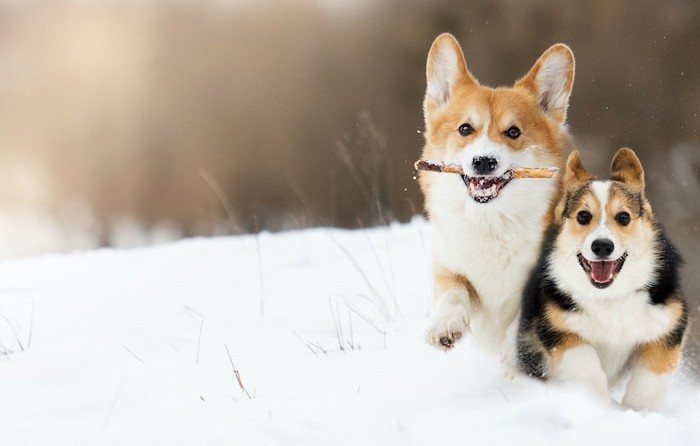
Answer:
(550, 80)
(575, 173)
(446, 68)
(626, 168)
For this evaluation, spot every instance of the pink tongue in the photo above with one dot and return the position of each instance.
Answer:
(602, 271)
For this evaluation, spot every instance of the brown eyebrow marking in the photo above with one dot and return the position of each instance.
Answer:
(635, 200)
(573, 198)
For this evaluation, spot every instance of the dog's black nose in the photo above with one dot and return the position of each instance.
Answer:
(484, 165)
(602, 247)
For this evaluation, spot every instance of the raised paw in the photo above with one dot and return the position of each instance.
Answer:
(449, 340)
(444, 332)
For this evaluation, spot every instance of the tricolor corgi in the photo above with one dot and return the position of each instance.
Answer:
(487, 228)
(604, 297)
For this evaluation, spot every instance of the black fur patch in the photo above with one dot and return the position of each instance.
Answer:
(532, 305)
(547, 335)
(531, 362)
(540, 285)
(534, 326)
(557, 296)
(667, 283)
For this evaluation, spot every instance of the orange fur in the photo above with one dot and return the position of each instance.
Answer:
(659, 358)
(570, 341)
(575, 174)
(472, 102)
(445, 280)
(536, 105)
(626, 168)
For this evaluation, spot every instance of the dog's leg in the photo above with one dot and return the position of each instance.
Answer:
(651, 373)
(509, 346)
(646, 389)
(581, 365)
(450, 320)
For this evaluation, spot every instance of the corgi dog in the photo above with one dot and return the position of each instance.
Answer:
(486, 228)
(604, 297)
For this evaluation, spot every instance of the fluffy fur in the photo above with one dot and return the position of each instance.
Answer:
(485, 241)
(605, 296)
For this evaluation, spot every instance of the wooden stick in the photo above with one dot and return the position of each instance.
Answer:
(518, 172)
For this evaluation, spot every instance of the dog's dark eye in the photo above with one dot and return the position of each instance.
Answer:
(513, 132)
(623, 218)
(584, 217)
(466, 129)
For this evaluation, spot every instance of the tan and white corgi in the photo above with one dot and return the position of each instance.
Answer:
(486, 228)
(605, 296)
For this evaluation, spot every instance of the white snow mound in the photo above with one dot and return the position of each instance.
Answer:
(115, 347)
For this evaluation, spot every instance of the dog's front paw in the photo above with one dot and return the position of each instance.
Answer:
(509, 347)
(510, 365)
(445, 330)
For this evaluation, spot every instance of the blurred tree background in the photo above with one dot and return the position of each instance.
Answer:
(125, 123)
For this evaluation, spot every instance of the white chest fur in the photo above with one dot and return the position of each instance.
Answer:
(615, 327)
(494, 245)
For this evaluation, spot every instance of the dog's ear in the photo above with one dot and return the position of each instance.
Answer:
(575, 173)
(550, 80)
(446, 68)
(626, 168)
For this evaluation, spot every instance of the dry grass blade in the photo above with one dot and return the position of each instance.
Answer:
(377, 299)
(237, 374)
(390, 284)
(199, 339)
(308, 345)
(223, 199)
(14, 332)
(336, 327)
(134, 355)
(31, 327)
(372, 324)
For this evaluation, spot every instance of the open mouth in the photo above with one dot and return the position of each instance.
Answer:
(602, 272)
(486, 188)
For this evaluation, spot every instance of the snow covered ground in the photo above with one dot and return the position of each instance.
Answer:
(138, 347)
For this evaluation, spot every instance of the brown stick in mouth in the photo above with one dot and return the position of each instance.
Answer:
(518, 172)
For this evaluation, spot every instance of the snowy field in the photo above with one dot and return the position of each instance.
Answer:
(324, 329)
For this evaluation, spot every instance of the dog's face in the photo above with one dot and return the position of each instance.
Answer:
(490, 131)
(606, 238)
